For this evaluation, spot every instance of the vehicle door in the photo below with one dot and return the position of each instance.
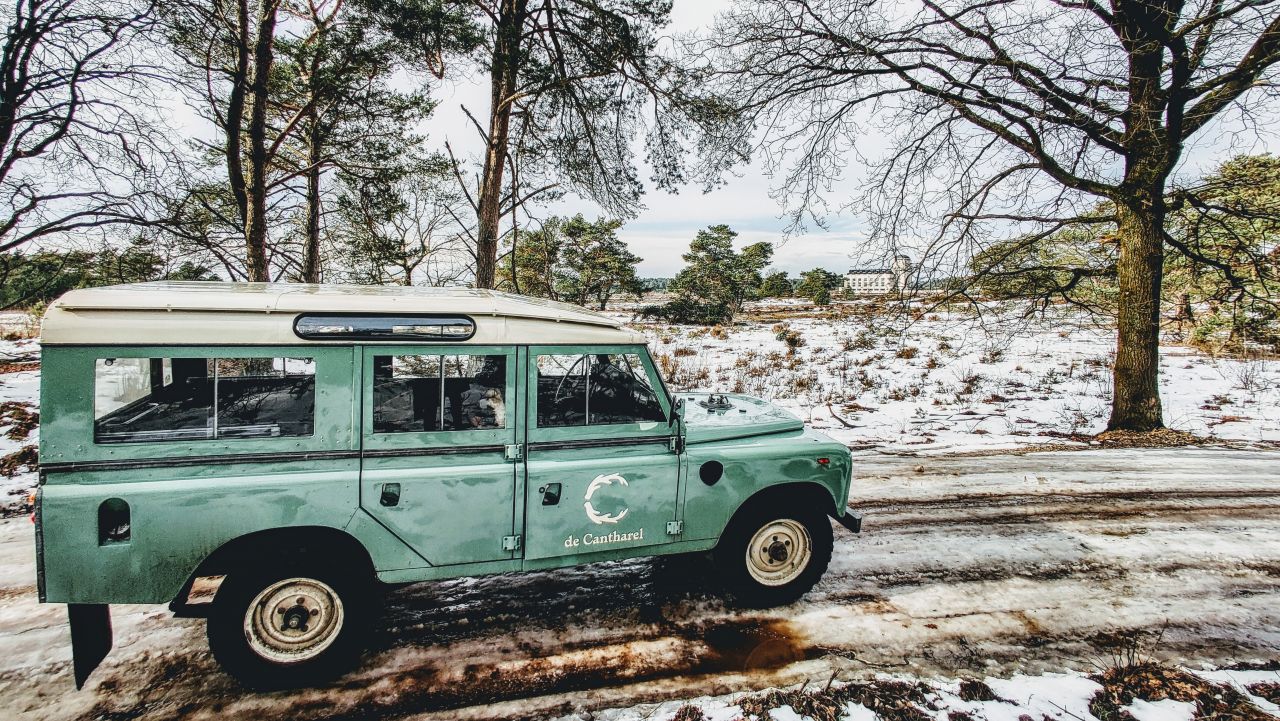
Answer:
(603, 471)
(438, 460)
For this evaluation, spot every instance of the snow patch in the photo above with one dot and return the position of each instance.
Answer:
(1163, 710)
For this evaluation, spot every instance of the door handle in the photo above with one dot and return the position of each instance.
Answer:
(390, 494)
(550, 494)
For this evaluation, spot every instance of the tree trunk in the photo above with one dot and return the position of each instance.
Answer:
(311, 249)
(1152, 152)
(1136, 402)
(235, 112)
(255, 230)
(502, 86)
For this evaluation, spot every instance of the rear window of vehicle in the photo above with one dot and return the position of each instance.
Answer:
(145, 400)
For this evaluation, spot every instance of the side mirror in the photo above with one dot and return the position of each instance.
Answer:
(677, 405)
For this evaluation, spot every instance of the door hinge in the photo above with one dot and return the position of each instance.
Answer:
(513, 451)
(677, 444)
(675, 528)
(511, 543)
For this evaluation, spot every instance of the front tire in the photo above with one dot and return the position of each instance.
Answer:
(772, 556)
(287, 627)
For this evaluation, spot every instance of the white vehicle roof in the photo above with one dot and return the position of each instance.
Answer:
(219, 313)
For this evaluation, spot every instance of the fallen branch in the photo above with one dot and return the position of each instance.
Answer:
(842, 421)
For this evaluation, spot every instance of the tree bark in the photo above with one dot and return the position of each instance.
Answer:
(1152, 151)
(235, 112)
(311, 248)
(255, 222)
(1136, 402)
(503, 75)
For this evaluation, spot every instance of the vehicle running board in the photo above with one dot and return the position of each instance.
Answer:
(851, 521)
(90, 637)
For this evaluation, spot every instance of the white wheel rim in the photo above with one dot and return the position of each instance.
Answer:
(293, 620)
(779, 552)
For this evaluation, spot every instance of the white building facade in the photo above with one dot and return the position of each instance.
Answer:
(879, 281)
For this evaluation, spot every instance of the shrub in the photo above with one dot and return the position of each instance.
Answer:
(685, 309)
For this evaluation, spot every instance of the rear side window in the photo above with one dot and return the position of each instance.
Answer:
(423, 393)
(595, 389)
(145, 400)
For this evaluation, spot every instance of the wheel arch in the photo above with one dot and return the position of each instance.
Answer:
(252, 547)
(802, 492)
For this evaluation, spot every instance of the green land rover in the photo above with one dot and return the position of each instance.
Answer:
(312, 445)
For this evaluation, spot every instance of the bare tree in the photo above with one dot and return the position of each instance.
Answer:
(339, 69)
(1010, 118)
(581, 79)
(404, 230)
(76, 150)
(228, 49)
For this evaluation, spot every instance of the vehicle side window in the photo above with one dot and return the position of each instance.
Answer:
(562, 390)
(144, 400)
(594, 389)
(417, 393)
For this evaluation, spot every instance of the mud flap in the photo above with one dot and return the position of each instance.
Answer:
(851, 521)
(90, 637)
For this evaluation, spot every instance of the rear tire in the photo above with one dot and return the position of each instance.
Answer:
(290, 624)
(771, 556)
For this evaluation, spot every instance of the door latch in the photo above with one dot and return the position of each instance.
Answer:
(390, 494)
(550, 494)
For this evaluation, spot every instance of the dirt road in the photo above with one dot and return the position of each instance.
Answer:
(988, 565)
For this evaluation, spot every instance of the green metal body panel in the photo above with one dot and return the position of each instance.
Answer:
(463, 493)
(626, 476)
(458, 502)
(754, 464)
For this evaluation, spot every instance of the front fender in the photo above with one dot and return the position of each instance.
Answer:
(751, 466)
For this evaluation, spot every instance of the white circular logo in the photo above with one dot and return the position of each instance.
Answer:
(600, 481)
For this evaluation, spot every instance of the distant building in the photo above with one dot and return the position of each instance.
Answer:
(879, 281)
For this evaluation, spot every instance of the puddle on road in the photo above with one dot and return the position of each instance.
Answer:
(752, 645)
(740, 646)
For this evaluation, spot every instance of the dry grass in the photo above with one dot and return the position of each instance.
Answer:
(1269, 691)
(21, 418)
(890, 700)
(18, 366)
(28, 326)
(688, 713)
(1161, 438)
(1151, 681)
(23, 459)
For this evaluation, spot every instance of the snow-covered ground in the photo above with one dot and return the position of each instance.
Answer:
(940, 383)
(1014, 569)
(20, 386)
(1030, 572)
(1049, 696)
(955, 381)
